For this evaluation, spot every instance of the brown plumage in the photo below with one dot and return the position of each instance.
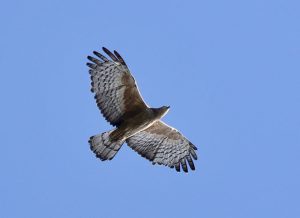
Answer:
(121, 104)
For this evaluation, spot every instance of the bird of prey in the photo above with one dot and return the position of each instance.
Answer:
(137, 124)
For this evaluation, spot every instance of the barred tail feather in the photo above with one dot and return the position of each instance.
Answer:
(104, 147)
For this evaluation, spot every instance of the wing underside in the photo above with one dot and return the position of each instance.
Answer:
(162, 144)
(116, 92)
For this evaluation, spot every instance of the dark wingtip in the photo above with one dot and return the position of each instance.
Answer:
(90, 58)
(111, 55)
(183, 165)
(193, 146)
(117, 54)
(120, 58)
(190, 162)
(93, 66)
(105, 49)
(90, 143)
(193, 153)
(102, 57)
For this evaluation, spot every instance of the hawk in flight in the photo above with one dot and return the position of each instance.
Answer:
(137, 124)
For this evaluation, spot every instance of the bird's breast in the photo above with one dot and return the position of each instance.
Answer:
(137, 124)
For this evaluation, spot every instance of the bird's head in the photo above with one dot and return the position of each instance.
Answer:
(162, 111)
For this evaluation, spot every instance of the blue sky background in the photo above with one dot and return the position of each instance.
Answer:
(229, 69)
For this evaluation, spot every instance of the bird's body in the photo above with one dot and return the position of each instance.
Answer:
(121, 104)
(138, 123)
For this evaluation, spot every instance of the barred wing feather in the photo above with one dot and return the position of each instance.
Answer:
(162, 144)
(115, 89)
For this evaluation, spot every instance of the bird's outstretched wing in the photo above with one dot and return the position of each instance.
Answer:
(115, 89)
(163, 144)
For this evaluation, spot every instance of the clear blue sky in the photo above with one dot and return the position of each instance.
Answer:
(229, 69)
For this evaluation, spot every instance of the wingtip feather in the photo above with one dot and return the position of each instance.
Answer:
(111, 55)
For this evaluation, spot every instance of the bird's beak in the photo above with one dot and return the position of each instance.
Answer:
(168, 107)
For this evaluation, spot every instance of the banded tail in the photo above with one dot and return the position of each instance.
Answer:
(104, 147)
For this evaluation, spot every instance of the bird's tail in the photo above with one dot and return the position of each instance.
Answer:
(104, 147)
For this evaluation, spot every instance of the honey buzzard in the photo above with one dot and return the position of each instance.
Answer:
(137, 124)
